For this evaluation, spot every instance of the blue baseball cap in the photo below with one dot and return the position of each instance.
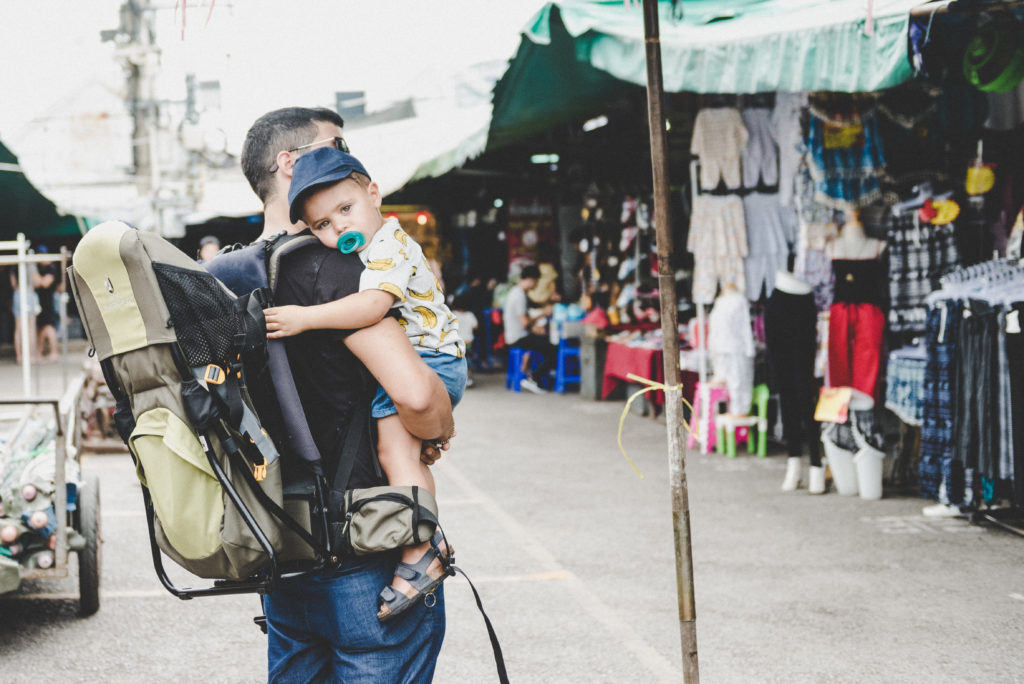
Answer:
(322, 166)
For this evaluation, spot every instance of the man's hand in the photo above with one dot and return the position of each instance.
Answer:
(285, 321)
(433, 450)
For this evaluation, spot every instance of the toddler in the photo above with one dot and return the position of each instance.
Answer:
(333, 194)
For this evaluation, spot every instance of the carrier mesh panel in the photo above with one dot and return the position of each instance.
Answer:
(200, 313)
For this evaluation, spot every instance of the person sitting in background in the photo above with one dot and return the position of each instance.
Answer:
(468, 324)
(526, 329)
(208, 248)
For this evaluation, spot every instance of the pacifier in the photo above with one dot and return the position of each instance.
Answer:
(350, 241)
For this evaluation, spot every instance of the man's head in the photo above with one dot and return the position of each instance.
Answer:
(208, 247)
(528, 277)
(278, 138)
(332, 192)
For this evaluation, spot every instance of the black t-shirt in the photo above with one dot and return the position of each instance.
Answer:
(329, 378)
(47, 311)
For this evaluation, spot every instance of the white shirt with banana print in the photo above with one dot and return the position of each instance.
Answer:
(395, 263)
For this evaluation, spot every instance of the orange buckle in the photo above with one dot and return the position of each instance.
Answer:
(214, 375)
(259, 472)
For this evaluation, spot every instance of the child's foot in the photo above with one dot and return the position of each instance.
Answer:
(419, 573)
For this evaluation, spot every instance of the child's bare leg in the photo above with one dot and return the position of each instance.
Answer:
(399, 453)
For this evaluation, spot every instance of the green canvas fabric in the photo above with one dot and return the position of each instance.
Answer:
(188, 501)
(576, 56)
(744, 46)
(128, 323)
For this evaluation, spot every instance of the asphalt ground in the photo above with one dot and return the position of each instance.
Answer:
(574, 560)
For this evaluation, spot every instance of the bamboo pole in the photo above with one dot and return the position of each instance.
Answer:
(670, 341)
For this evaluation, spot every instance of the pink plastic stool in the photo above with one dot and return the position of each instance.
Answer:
(715, 395)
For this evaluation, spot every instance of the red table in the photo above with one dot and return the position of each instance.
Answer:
(622, 359)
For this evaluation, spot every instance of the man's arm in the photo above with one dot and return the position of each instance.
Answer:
(421, 398)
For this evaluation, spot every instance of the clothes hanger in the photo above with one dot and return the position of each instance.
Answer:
(924, 192)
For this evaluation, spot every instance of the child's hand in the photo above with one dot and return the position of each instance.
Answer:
(285, 321)
(432, 450)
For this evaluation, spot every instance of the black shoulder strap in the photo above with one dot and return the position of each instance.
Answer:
(280, 246)
(358, 430)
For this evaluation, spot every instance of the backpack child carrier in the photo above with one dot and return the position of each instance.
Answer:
(176, 348)
(179, 349)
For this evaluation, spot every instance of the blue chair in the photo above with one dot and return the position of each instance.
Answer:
(567, 366)
(514, 371)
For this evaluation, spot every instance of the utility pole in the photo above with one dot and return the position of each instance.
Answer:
(136, 44)
(670, 347)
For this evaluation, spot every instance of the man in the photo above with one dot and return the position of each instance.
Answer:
(525, 329)
(325, 628)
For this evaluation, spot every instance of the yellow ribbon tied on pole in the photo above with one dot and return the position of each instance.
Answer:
(651, 386)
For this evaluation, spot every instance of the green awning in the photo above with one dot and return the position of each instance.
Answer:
(745, 46)
(575, 54)
(25, 210)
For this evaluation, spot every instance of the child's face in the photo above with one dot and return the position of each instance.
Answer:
(345, 206)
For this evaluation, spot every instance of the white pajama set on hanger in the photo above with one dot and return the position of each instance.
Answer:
(717, 236)
(770, 229)
(731, 343)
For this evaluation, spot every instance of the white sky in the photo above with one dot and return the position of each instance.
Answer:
(266, 53)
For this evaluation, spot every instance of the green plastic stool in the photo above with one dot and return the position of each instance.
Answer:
(727, 426)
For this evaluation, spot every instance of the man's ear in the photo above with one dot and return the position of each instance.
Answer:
(286, 162)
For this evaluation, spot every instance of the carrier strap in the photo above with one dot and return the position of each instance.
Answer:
(499, 659)
(357, 427)
(234, 449)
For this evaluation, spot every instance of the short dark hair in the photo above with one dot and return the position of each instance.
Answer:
(530, 271)
(281, 129)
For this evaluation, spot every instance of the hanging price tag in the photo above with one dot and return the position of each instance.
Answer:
(1013, 322)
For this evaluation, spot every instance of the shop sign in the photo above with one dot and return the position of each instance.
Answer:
(530, 224)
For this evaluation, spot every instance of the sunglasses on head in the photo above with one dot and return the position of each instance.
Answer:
(339, 144)
(337, 141)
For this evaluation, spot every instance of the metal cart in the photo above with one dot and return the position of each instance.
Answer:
(77, 525)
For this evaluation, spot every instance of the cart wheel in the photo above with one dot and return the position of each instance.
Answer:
(89, 556)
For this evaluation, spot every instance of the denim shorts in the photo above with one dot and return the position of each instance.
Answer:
(33, 304)
(452, 371)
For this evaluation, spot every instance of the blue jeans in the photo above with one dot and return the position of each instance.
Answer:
(325, 629)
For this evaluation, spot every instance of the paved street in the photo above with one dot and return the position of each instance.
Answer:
(573, 555)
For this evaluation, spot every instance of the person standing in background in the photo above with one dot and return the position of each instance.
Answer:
(47, 285)
(32, 275)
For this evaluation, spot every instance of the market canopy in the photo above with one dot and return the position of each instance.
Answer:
(578, 53)
(25, 210)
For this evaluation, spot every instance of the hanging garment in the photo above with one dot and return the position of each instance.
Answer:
(919, 254)
(760, 156)
(816, 228)
(1015, 380)
(974, 418)
(1004, 466)
(856, 324)
(719, 136)
(942, 336)
(904, 383)
(790, 333)
(731, 344)
(771, 228)
(789, 139)
(718, 242)
(855, 346)
(846, 160)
